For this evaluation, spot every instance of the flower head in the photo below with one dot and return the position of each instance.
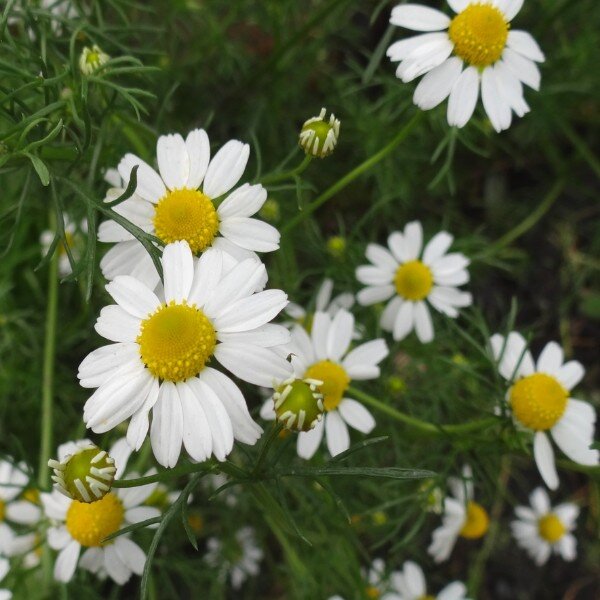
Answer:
(298, 403)
(475, 49)
(319, 136)
(163, 347)
(411, 585)
(463, 517)
(326, 356)
(81, 525)
(85, 473)
(414, 279)
(542, 530)
(540, 401)
(92, 59)
(179, 203)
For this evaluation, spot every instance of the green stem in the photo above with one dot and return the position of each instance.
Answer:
(165, 475)
(352, 175)
(422, 426)
(527, 223)
(273, 433)
(581, 147)
(270, 179)
(48, 371)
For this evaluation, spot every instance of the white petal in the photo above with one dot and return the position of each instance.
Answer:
(23, 512)
(453, 591)
(567, 547)
(523, 43)
(403, 48)
(139, 423)
(419, 18)
(166, 431)
(370, 353)
(198, 150)
(540, 502)
(511, 88)
(320, 334)
(102, 363)
(415, 579)
(570, 374)
(373, 294)
(463, 97)
(301, 344)
(197, 437)
(574, 433)
(436, 86)
(550, 359)
(423, 323)
(67, 562)
(510, 8)
(496, 107)
(120, 452)
(526, 70)
(173, 161)
(340, 335)
(251, 312)
(450, 263)
(516, 360)
(266, 336)
(243, 202)
(309, 441)
(457, 6)
(356, 415)
(544, 459)
(412, 241)
(437, 247)
(250, 234)
(58, 537)
(260, 366)
(404, 321)
(373, 275)
(381, 257)
(336, 431)
(130, 258)
(149, 184)
(114, 565)
(423, 59)
(131, 554)
(206, 276)
(133, 296)
(178, 269)
(226, 168)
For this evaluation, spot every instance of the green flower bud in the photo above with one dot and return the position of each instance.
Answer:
(319, 137)
(299, 404)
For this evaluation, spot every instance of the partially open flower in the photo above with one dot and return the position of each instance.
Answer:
(92, 59)
(318, 137)
(86, 474)
(299, 404)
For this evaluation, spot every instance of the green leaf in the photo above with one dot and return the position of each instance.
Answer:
(386, 472)
(40, 168)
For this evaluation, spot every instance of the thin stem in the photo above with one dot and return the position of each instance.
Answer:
(273, 433)
(352, 175)
(270, 179)
(421, 426)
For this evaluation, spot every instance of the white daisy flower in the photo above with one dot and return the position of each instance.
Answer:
(80, 525)
(16, 507)
(539, 399)
(475, 49)
(325, 356)
(73, 241)
(159, 361)
(238, 560)
(542, 530)
(323, 303)
(462, 517)
(413, 280)
(4, 569)
(179, 203)
(379, 585)
(410, 584)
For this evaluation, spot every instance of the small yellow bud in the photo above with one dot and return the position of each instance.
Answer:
(336, 246)
(270, 210)
(92, 59)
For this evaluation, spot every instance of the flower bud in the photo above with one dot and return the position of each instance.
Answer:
(85, 475)
(319, 137)
(336, 246)
(92, 59)
(299, 404)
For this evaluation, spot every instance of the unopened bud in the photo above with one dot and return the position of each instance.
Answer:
(299, 404)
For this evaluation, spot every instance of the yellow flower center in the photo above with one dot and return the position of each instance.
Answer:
(186, 215)
(2, 510)
(32, 495)
(93, 58)
(372, 592)
(90, 523)
(335, 381)
(479, 34)
(427, 597)
(551, 528)
(476, 522)
(413, 280)
(538, 401)
(176, 341)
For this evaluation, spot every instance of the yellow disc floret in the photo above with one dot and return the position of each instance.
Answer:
(176, 341)
(413, 280)
(2, 510)
(186, 215)
(476, 523)
(89, 524)
(335, 381)
(538, 401)
(479, 34)
(551, 528)
(372, 592)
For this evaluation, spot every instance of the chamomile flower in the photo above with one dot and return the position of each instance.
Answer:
(323, 303)
(475, 49)
(325, 356)
(15, 508)
(379, 584)
(413, 278)
(80, 526)
(159, 359)
(463, 517)
(238, 559)
(179, 203)
(319, 135)
(410, 584)
(540, 401)
(542, 530)
(4, 569)
(73, 239)
(91, 59)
